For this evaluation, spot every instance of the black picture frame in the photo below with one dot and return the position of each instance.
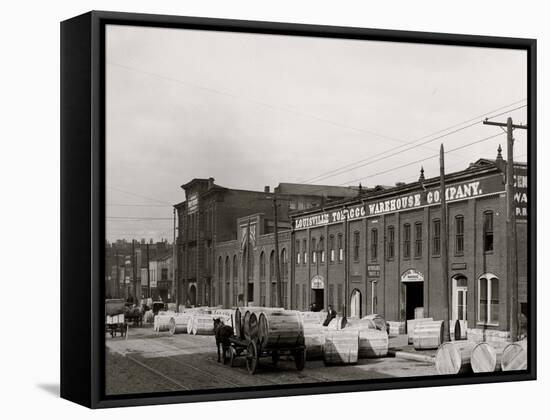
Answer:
(83, 205)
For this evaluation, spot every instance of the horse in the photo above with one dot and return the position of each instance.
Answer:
(223, 333)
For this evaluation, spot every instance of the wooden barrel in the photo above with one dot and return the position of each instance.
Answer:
(453, 357)
(378, 321)
(341, 346)
(148, 317)
(486, 357)
(458, 329)
(514, 356)
(178, 324)
(336, 323)
(203, 324)
(253, 326)
(411, 324)
(428, 335)
(372, 342)
(238, 323)
(313, 317)
(246, 324)
(419, 312)
(280, 329)
(395, 328)
(162, 322)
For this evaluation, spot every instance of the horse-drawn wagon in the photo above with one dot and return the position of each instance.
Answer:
(265, 332)
(114, 317)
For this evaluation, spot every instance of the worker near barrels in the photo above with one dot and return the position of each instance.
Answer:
(331, 314)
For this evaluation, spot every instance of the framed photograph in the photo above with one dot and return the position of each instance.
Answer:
(255, 209)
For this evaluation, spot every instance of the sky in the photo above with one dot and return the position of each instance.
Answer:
(257, 110)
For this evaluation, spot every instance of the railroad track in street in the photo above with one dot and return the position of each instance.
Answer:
(157, 372)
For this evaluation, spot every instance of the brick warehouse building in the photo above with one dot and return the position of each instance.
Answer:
(208, 216)
(380, 252)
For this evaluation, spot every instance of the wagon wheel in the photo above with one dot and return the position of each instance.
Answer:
(232, 356)
(275, 356)
(252, 357)
(300, 359)
(226, 354)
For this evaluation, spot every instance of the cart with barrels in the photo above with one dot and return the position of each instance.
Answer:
(115, 321)
(266, 332)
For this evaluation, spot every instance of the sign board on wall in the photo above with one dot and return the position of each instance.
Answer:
(412, 275)
(373, 270)
(431, 196)
(193, 203)
(318, 282)
(520, 192)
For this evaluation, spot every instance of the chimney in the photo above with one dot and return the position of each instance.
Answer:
(210, 182)
(266, 188)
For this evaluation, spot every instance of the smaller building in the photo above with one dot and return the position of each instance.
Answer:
(161, 272)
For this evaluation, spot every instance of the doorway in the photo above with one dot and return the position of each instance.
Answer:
(250, 291)
(355, 304)
(414, 297)
(460, 293)
(318, 299)
(193, 295)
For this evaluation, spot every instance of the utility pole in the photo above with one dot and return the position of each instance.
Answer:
(148, 273)
(247, 267)
(277, 267)
(511, 232)
(134, 275)
(175, 287)
(117, 275)
(346, 261)
(444, 247)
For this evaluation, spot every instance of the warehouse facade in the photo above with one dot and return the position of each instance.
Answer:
(380, 252)
(207, 218)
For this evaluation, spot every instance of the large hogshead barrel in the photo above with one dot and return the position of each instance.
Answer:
(514, 356)
(341, 346)
(280, 329)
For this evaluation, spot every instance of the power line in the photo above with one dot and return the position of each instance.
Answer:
(137, 205)
(340, 170)
(140, 196)
(257, 102)
(137, 218)
(423, 159)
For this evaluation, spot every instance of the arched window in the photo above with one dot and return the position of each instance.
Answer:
(391, 242)
(272, 266)
(220, 268)
(235, 282)
(262, 266)
(356, 245)
(227, 270)
(459, 234)
(340, 247)
(284, 264)
(488, 299)
(331, 248)
(322, 249)
(374, 244)
(488, 236)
